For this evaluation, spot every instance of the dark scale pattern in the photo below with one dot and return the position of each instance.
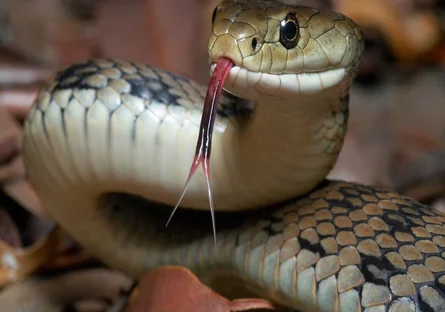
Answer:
(146, 82)
(390, 248)
(374, 248)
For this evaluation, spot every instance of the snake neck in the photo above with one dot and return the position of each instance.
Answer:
(285, 149)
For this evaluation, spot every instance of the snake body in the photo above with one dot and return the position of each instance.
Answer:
(108, 145)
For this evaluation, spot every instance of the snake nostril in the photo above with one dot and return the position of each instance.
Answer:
(254, 44)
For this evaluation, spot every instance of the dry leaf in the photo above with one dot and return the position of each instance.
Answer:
(174, 288)
(8, 231)
(385, 16)
(69, 255)
(18, 263)
(12, 170)
(79, 289)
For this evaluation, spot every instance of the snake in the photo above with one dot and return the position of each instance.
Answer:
(108, 145)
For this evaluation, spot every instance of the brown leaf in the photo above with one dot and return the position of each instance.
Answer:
(8, 231)
(18, 263)
(174, 288)
(66, 292)
(10, 144)
(69, 255)
(12, 170)
(388, 19)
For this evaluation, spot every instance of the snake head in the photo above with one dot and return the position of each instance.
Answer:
(281, 49)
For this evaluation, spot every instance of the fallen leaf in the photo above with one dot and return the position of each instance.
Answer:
(18, 263)
(12, 169)
(175, 288)
(79, 290)
(385, 17)
(69, 255)
(8, 231)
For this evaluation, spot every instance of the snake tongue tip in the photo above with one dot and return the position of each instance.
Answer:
(206, 168)
(198, 159)
(194, 166)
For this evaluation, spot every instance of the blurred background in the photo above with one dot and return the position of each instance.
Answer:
(396, 136)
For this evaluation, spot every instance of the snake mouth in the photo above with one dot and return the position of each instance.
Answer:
(252, 85)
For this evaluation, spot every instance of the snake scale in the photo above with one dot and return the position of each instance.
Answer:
(108, 145)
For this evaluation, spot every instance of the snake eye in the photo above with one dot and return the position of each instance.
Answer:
(254, 43)
(289, 33)
(214, 15)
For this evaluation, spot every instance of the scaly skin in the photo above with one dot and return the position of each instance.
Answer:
(103, 128)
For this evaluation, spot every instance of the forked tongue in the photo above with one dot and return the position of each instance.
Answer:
(204, 144)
